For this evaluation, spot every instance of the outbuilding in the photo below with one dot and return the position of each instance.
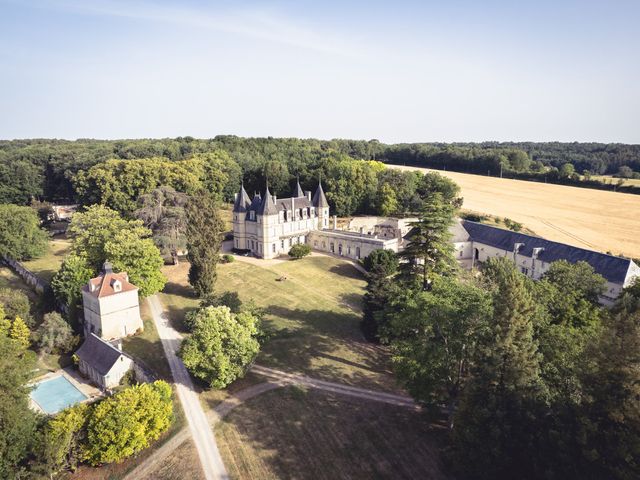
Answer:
(102, 362)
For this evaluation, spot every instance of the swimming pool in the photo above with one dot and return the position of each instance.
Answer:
(56, 394)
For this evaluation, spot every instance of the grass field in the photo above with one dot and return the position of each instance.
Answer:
(614, 181)
(294, 433)
(46, 266)
(587, 218)
(312, 318)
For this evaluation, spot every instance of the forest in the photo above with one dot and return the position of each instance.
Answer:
(48, 169)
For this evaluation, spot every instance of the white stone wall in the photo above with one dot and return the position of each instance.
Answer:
(350, 246)
(113, 376)
(113, 316)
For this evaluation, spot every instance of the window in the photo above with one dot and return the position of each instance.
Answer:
(315, 243)
(281, 244)
(252, 215)
(273, 248)
(237, 243)
(332, 247)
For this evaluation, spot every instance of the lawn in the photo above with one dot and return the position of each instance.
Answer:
(46, 266)
(312, 318)
(146, 346)
(295, 433)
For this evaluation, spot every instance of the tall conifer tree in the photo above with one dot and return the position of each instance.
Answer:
(430, 251)
(204, 239)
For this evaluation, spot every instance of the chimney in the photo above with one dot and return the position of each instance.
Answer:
(308, 192)
(293, 209)
(361, 230)
(235, 197)
(335, 222)
(92, 286)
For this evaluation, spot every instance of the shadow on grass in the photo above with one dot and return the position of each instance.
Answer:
(346, 270)
(326, 345)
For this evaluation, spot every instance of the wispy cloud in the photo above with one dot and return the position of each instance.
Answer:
(257, 23)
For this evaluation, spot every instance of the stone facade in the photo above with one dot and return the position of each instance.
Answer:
(111, 307)
(267, 226)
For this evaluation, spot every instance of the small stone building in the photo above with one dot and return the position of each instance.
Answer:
(111, 308)
(102, 362)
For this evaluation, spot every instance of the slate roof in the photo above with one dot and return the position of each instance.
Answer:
(319, 200)
(242, 202)
(612, 268)
(267, 207)
(102, 286)
(297, 193)
(100, 355)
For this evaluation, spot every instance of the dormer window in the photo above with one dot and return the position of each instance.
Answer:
(252, 215)
(92, 286)
(116, 285)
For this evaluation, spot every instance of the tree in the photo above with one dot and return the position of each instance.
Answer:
(19, 331)
(381, 265)
(381, 261)
(610, 436)
(386, 200)
(204, 240)
(16, 304)
(21, 237)
(101, 234)
(17, 420)
(625, 172)
(299, 250)
(67, 283)
(140, 258)
(496, 420)
(567, 170)
(221, 345)
(64, 439)
(118, 184)
(429, 251)
(163, 212)
(55, 334)
(92, 229)
(127, 422)
(434, 338)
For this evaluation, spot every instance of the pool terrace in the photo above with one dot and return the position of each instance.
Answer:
(58, 390)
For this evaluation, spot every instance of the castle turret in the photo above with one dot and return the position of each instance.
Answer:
(322, 207)
(240, 207)
(297, 193)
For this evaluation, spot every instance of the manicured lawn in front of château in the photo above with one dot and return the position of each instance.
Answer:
(312, 318)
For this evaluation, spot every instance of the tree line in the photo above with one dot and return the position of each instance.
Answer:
(49, 169)
(534, 379)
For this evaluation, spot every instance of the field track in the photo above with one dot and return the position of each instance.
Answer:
(594, 219)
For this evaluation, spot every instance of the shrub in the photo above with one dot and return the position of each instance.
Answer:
(226, 258)
(55, 335)
(299, 250)
(128, 422)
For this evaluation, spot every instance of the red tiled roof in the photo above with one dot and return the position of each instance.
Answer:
(103, 285)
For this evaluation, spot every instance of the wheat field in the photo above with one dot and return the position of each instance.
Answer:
(594, 219)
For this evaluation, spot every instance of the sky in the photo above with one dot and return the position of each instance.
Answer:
(396, 71)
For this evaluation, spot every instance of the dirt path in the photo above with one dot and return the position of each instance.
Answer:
(278, 379)
(198, 423)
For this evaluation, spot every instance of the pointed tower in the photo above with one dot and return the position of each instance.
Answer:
(240, 208)
(297, 193)
(322, 207)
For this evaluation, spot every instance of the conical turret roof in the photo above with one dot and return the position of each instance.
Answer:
(242, 202)
(319, 200)
(297, 193)
(268, 206)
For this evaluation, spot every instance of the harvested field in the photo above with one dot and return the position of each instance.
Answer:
(587, 218)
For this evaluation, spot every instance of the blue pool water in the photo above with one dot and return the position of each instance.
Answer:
(56, 394)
